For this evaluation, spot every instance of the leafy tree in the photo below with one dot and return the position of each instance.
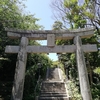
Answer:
(73, 15)
(36, 71)
(74, 90)
(12, 16)
(86, 12)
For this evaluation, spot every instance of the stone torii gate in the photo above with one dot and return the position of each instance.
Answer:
(50, 36)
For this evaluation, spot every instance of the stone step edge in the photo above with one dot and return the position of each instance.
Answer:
(54, 92)
(54, 82)
(46, 98)
(50, 95)
(60, 91)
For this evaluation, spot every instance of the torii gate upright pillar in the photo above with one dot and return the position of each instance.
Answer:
(17, 90)
(82, 71)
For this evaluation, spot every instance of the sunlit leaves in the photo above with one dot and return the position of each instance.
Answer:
(97, 70)
(74, 90)
(70, 3)
(57, 25)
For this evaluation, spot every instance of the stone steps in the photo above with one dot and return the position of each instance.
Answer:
(54, 74)
(54, 87)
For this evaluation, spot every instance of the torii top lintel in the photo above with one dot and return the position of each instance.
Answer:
(42, 34)
(50, 36)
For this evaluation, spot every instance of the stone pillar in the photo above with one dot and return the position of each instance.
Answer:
(17, 91)
(82, 71)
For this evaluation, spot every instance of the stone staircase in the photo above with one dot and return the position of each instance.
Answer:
(54, 87)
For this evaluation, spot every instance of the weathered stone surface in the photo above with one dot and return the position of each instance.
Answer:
(83, 77)
(54, 87)
(55, 49)
(51, 40)
(54, 98)
(59, 34)
(17, 91)
(54, 74)
(51, 31)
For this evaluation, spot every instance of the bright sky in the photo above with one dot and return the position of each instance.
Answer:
(42, 10)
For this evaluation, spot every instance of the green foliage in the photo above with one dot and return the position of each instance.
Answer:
(13, 16)
(76, 21)
(77, 14)
(58, 64)
(36, 71)
(96, 91)
(73, 90)
(70, 3)
(97, 70)
(57, 25)
(80, 15)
